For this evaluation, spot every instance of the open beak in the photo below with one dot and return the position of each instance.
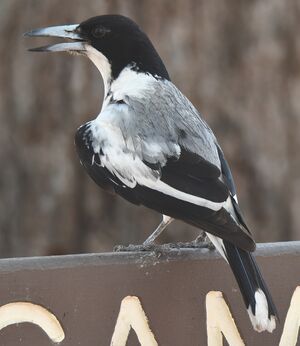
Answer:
(64, 31)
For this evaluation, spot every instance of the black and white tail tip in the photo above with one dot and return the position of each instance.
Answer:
(261, 319)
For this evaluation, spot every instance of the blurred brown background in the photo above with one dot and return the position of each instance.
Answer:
(239, 63)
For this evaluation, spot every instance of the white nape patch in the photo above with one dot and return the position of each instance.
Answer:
(131, 83)
(102, 65)
(260, 320)
(218, 243)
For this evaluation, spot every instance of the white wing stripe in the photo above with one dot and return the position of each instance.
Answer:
(133, 171)
(166, 189)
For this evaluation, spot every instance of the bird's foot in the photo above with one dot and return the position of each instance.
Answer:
(201, 242)
(136, 248)
(192, 245)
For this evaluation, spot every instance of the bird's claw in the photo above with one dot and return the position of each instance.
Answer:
(192, 245)
(198, 243)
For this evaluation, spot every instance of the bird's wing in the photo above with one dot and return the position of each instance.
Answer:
(199, 196)
(182, 185)
(158, 152)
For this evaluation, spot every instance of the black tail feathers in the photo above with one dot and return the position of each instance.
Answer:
(258, 300)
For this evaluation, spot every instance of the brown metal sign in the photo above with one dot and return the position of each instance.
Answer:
(95, 299)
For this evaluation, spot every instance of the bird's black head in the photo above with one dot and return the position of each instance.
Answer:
(123, 43)
(117, 37)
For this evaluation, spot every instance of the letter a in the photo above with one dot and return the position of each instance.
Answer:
(132, 315)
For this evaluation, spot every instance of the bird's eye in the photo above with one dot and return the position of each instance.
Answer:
(99, 31)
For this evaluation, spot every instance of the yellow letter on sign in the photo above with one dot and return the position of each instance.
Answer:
(19, 312)
(132, 315)
(292, 321)
(219, 320)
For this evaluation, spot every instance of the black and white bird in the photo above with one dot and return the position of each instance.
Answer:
(150, 145)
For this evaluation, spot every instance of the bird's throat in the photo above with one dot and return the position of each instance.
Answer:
(102, 64)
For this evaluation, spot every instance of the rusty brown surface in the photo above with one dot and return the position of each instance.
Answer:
(85, 292)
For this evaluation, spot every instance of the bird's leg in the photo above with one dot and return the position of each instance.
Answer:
(148, 244)
(160, 228)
